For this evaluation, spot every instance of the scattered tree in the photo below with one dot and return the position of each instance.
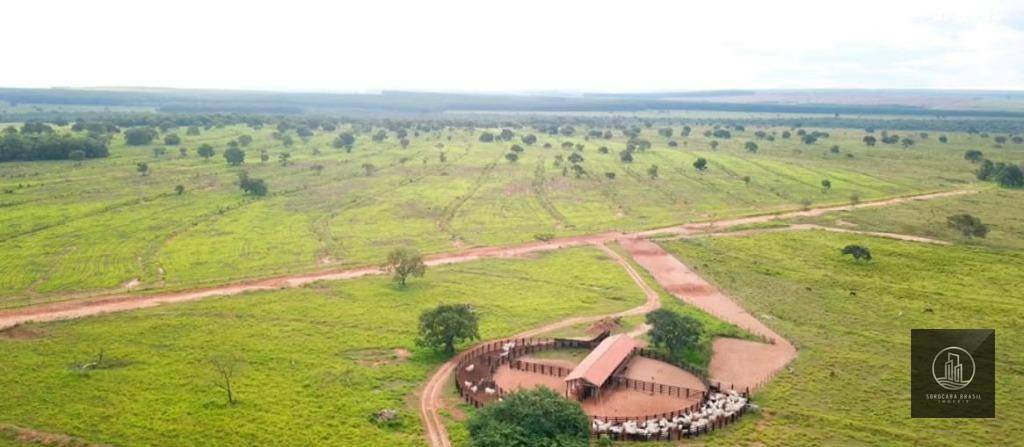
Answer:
(206, 151)
(226, 368)
(826, 185)
(403, 263)
(251, 186)
(179, 189)
(512, 157)
(142, 168)
(967, 225)
(234, 156)
(701, 164)
(858, 252)
(138, 136)
(750, 146)
(653, 171)
(446, 325)
(172, 139)
(973, 156)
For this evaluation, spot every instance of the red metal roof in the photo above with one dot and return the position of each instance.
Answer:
(597, 366)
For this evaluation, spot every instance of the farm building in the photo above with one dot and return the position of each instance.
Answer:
(608, 358)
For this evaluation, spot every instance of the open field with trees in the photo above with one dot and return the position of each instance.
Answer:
(139, 203)
(338, 194)
(313, 364)
(851, 322)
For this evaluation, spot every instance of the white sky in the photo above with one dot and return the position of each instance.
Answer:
(526, 45)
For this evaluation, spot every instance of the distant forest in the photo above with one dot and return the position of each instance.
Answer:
(173, 108)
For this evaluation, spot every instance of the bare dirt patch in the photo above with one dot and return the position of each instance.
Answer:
(513, 379)
(643, 368)
(377, 357)
(30, 436)
(621, 402)
(21, 332)
(743, 363)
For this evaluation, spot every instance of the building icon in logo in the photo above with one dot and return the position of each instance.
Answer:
(949, 369)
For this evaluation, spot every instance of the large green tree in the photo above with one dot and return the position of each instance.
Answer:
(672, 331)
(138, 136)
(447, 324)
(538, 417)
(234, 156)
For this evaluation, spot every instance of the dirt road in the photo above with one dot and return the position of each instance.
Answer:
(734, 363)
(70, 309)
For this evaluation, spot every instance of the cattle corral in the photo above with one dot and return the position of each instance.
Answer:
(619, 406)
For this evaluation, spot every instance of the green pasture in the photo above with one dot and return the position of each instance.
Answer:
(317, 361)
(68, 231)
(851, 322)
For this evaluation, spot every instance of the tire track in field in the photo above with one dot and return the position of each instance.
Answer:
(444, 222)
(665, 191)
(150, 256)
(540, 194)
(728, 192)
(322, 227)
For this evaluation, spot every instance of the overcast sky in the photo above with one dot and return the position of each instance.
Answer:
(521, 46)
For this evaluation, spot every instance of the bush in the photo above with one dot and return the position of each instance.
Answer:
(538, 417)
(138, 136)
(50, 146)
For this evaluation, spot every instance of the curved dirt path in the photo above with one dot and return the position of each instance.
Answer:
(731, 360)
(432, 396)
(70, 309)
(805, 227)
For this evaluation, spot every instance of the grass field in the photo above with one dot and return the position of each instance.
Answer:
(68, 230)
(998, 209)
(851, 322)
(318, 361)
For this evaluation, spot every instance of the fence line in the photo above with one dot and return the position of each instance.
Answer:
(485, 359)
(540, 368)
(654, 387)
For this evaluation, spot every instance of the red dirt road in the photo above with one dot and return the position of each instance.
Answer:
(69, 309)
(730, 363)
